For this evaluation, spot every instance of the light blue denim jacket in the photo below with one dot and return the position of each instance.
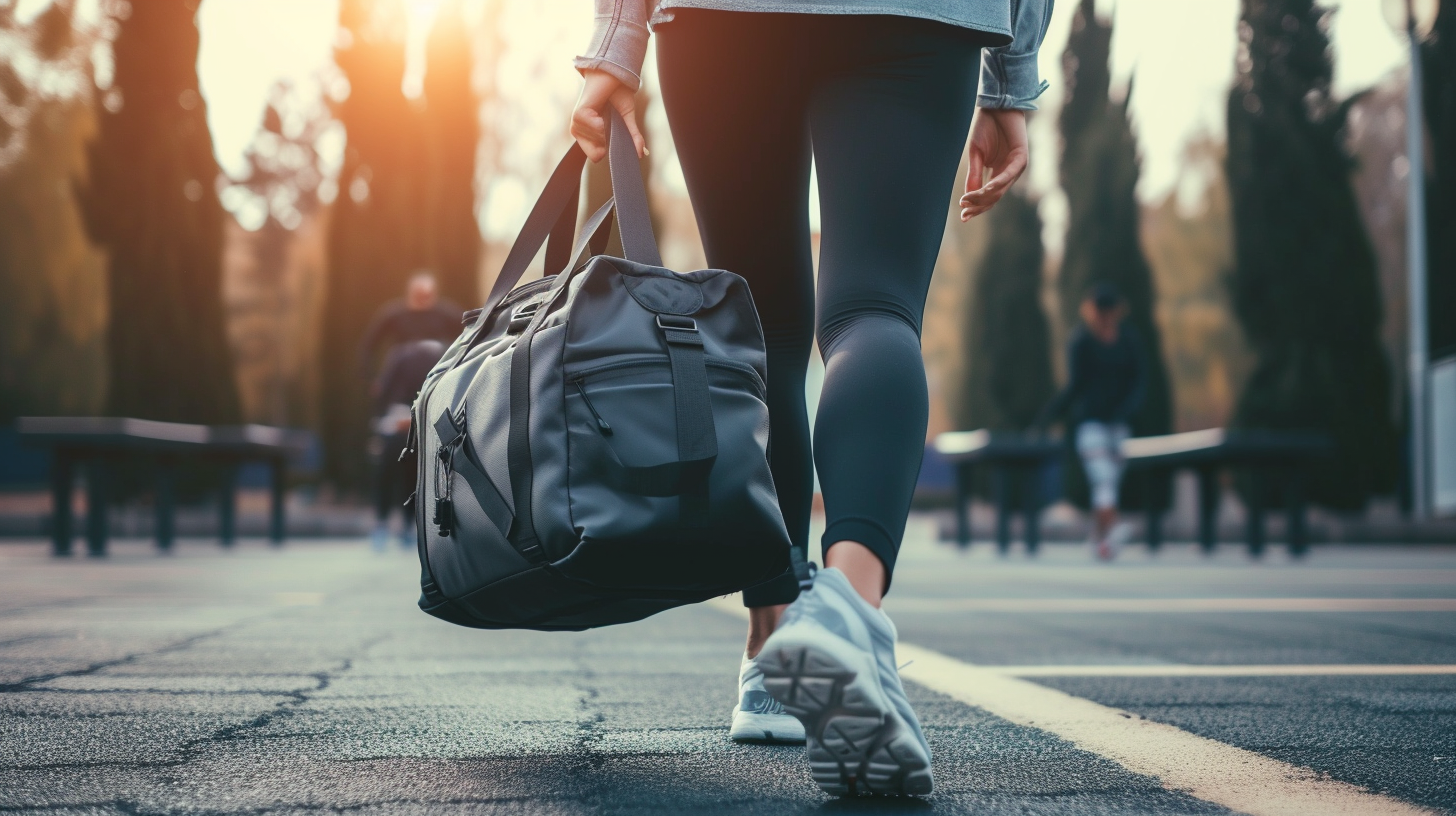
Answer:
(1008, 71)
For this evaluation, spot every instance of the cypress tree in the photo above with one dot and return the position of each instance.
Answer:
(1006, 340)
(374, 241)
(1008, 374)
(1438, 57)
(1100, 173)
(1304, 283)
(452, 136)
(151, 201)
(53, 314)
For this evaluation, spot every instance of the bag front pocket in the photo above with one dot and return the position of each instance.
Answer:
(626, 474)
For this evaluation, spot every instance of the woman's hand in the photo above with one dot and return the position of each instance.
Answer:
(589, 120)
(998, 145)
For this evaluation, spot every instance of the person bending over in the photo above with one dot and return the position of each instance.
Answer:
(1106, 381)
(395, 389)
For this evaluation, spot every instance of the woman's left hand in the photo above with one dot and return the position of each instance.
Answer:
(998, 144)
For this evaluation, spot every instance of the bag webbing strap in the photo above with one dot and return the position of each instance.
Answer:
(633, 214)
(697, 436)
(561, 192)
(518, 451)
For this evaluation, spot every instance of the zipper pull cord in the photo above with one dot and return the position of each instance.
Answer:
(409, 441)
(601, 423)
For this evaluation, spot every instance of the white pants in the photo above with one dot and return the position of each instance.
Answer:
(1100, 446)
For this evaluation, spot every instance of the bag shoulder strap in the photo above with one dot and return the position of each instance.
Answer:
(554, 214)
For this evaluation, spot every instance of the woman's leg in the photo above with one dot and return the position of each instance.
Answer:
(736, 109)
(889, 124)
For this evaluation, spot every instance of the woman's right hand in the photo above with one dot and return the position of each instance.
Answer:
(589, 120)
(999, 148)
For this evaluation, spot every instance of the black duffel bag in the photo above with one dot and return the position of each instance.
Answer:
(593, 448)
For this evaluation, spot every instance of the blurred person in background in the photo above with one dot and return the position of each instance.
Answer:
(394, 390)
(1106, 381)
(880, 96)
(407, 331)
(420, 315)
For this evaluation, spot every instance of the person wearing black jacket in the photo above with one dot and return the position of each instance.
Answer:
(420, 315)
(1107, 377)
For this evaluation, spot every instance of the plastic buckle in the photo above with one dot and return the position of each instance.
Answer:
(676, 323)
(521, 317)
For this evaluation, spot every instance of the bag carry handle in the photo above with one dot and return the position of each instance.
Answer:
(554, 214)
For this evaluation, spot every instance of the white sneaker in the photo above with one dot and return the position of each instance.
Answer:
(832, 664)
(759, 717)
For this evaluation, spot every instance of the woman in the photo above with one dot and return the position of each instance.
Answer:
(880, 94)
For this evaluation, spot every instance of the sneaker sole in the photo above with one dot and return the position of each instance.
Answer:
(768, 729)
(857, 742)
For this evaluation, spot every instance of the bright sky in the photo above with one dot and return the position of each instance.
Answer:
(1179, 53)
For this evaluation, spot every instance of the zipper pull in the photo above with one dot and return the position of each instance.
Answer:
(601, 423)
(409, 440)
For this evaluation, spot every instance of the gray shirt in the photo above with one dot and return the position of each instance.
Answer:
(1008, 70)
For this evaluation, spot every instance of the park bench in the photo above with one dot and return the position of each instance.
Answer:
(1016, 462)
(97, 443)
(1265, 457)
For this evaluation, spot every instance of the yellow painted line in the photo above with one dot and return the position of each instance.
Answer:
(1252, 670)
(1235, 778)
(1169, 605)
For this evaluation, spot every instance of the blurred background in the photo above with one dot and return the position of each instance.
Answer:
(203, 204)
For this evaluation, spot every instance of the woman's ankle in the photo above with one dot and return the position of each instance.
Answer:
(762, 621)
(864, 569)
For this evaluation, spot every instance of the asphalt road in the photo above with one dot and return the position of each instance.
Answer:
(304, 681)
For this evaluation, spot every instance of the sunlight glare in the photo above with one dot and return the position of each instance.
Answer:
(421, 15)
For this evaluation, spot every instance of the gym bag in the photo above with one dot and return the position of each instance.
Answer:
(593, 448)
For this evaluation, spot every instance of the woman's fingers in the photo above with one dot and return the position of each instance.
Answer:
(1015, 166)
(589, 129)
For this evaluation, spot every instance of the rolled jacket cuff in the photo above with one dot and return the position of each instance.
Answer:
(1009, 81)
(621, 72)
(619, 41)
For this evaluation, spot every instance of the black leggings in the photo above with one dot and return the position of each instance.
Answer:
(883, 106)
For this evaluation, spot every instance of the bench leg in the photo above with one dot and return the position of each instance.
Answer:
(1208, 496)
(96, 532)
(1155, 513)
(166, 508)
(62, 483)
(1255, 526)
(227, 505)
(1000, 481)
(1298, 531)
(963, 505)
(278, 487)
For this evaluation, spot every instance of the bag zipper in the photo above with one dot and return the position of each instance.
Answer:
(601, 423)
(734, 366)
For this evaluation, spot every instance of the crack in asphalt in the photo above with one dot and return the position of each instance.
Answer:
(133, 808)
(28, 683)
